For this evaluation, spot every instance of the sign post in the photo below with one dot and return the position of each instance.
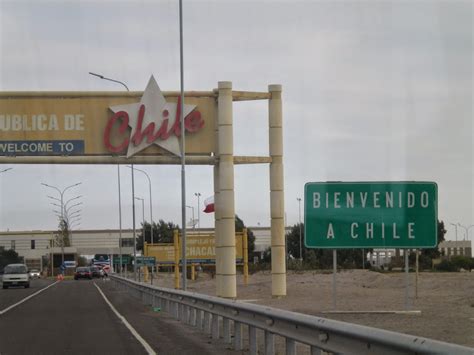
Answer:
(361, 215)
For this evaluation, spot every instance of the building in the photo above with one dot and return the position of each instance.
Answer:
(449, 248)
(32, 246)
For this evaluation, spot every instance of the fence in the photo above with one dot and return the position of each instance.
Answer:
(222, 318)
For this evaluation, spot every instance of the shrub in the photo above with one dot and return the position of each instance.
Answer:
(447, 265)
(463, 262)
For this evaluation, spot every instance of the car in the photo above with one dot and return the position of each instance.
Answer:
(15, 275)
(83, 272)
(35, 274)
(96, 271)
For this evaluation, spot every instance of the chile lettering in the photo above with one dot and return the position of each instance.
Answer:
(192, 123)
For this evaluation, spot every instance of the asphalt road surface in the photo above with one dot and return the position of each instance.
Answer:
(72, 317)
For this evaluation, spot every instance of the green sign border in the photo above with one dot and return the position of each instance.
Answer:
(372, 183)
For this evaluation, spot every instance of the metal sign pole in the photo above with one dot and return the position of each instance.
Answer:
(363, 259)
(134, 231)
(183, 154)
(416, 275)
(334, 267)
(120, 219)
(406, 280)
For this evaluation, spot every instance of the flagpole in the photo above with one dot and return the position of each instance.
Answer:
(183, 154)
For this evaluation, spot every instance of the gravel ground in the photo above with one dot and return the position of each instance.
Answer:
(446, 300)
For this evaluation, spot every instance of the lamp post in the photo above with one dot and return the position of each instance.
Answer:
(194, 222)
(183, 149)
(151, 203)
(143, 221)
(120, 196)
(198, 195)
(299, 219)
(61, 193)
(456, 230)
(71, 199)
(109, 79)
(70, 207)
(74, 214)
(466, 229)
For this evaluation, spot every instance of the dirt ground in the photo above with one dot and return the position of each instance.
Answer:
(446, 300)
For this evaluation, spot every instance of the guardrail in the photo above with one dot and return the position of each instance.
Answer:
(222, 318)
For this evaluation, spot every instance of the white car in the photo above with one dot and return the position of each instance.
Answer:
(35, 274)
(16, 275)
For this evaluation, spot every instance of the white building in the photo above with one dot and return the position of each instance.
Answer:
(33, 245)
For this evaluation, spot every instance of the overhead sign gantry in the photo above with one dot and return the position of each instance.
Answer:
(144, 128)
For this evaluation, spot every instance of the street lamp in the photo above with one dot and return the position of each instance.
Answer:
(151, 203)
(193, 221)
(120, 197)
(74, 214)
(466, 229)
(299, 219)
(61, 193)
(456, 229)
(69, 208)
(198, 194)
(109, 79)
(143, 221)
(71, 199)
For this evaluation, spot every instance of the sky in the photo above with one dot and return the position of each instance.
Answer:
(372, 91)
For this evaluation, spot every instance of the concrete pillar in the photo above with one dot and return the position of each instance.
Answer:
(217, 209)
(225, 239)
(277, 200)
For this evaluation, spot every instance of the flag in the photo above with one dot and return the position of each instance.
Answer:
(209, 204)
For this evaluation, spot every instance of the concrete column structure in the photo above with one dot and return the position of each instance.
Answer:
(277, 199)
(217, 210)
(225, 239)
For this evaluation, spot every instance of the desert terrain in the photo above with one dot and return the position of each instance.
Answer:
(446, 300)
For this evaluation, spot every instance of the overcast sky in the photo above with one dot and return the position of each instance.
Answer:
(372, 91)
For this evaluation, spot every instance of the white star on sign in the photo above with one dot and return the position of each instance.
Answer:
(156, 108)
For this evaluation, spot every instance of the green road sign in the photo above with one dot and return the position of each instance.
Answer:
(371, 215)
(125, 259)
(146, 261)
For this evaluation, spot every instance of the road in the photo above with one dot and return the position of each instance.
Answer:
(73, 317)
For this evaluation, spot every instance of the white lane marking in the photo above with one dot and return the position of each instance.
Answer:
(142, 341)
(27, 298)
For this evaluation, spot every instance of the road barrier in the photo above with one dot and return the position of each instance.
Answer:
(222, 318)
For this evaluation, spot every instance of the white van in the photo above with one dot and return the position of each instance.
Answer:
(16, 275)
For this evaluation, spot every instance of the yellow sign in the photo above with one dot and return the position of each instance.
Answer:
(199, 248)
(84, 124)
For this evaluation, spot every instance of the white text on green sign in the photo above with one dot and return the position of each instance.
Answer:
(371, 215)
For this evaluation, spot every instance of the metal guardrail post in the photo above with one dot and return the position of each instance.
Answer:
(253, 346)
(176, 310)
(215, 326)
(199, 324)
(269, 343)
(207, 325)
(238, 336)
(226, 330)
(290, 347)
(192, 316)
